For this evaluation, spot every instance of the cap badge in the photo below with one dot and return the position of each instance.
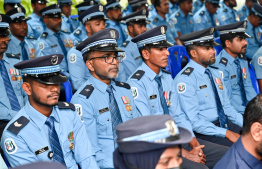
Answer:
(245, 24)
(101, 8)
(54, 59)
(171, 126)
(112, 33)
(0, 18)
(212, 30)
(19, 10)
(162, 29)
(143, 11)
(91, 2)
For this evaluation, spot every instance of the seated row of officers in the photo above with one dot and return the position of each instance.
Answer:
(208, 97)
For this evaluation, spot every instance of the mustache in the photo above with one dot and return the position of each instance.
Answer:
(54, 94)
(114, 67)
(244, 47)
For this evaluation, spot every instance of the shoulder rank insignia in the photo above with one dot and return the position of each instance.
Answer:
(188, 71)
(87, 91)
(213, 67)
(66, 105)
(16, 126)
(44, 35)
(30, 37)
(241, 56)
(225, 10)
(164, 70)
(155, 20)
(202, 13)
(106, 24)
(190, 13)
(244, 8)
(178, 14)
(138, 75)
(77, 32)
(65, 31)
(125, 43)
(122, 84)
(9, 55)
(223, 61)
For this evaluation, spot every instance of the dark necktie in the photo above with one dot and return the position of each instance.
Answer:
(9, 88)
(161, 94)
(61, 44)
(216, 34)
(241, 83)
(234, 16)
(70, 25)
(121, 33)
(115, 113)
(24, 53)
(54, 141)
(221, 114)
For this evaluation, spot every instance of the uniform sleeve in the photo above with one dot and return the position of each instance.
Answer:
(251, 49)
(250, 91)
(189, 104)
(6, 113)
(2, 163)
(257, 64)
(84, 153)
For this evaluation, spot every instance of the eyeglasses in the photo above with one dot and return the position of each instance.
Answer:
(110, 58)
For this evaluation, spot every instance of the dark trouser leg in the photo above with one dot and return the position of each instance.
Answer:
(187, 164)
(2, 127)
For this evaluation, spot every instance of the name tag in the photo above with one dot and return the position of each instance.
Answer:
(138, 57)
(42, 150)
(234, 76)
(37, 27)
(153, 96)
(103, 110)
(202, 87)
(54, 46)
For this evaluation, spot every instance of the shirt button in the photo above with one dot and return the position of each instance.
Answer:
(107, 119)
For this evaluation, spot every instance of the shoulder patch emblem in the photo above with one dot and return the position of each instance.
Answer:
(223, 61)
(259, 60)
(87, 91)
(138, 75)
(41, 45)
(79, 111)
(178, 14)
(78, 32)
(223, 17)
(134, 92)
(188, 71)
(164, 70)
(122, 84)
(10, 146)
(16, 126)
(181, 87)
(66, 105)
(72, 58)
(202, 13)
(155, 20)
(9, 55)
(125, 43)
(225, 10)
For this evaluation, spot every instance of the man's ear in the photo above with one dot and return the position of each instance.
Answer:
(193, 53)
(145, 54)
(256, 131)
(87, 27)
(228, 43)
(27, 88)
(90, 65)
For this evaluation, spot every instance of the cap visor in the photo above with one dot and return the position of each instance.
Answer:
(108, 49)
(165, 44)
(58, 79)
(243, 35)
(5, 31)
(216, 5)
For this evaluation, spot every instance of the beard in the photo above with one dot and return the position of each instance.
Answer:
(37, 100)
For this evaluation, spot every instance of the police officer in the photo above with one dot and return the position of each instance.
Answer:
(36, 22)
(12, 95)
(10, 4)
(153, 91)
(243, 11)
(205, 17)
(226, 14)
(136, 24)
(80, 33)
(152, 10)
(114, 14)
(202, 93)
(257, 64)
(162, 9)
(45, 129)
(173, 6)
(94, 20)
(197, 4)
(233, 63)
(137, 5)
(103, 103)
(254, 30)
(183, 18)
(53, 40)
(68, 24)
(19, 43)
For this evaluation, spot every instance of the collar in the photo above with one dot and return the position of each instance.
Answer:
(228, 56)
(129, 38)
(15, 40)
(172, 6)
(149, 72)
(65, 18)
(226, 7)
(182, 13)
(197, 67)
(36, 16)
(111, 22)
(50, 33)
(160, 17)
(205, 10)
(246, 156)
(5, 58)
(101, 86)
(249, 25)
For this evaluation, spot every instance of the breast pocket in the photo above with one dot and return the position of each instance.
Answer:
(234, 82)
(153, 103)
(203, 96)
(104, 123)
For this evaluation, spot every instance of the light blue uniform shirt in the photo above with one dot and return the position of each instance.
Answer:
(48, 45)
(97, 117)
(133, 58)
(36, 24)
(197, 5)
(2, 163)
(6, 111)
(14, 47)
(79, 34)
(225, 63)
(243, 12)
(254, 42)
(152, 11)
(171, 32)
(183, 24)
(147, 99)
(172, 8)
(128, 10)
(197, 99)
(66, 22)
(257, 63)
(227, 15)
(34, 135)
(121, 28)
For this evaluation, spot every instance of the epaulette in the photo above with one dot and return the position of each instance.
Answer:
(125, 43)
(106, 24)
(164, 70)
(241, 56)
(44, 35)
(122, 84)
(87, 91)
(188, 71)
(225, 10)
(244, 8)
(138, 75)
(202, 13)
(16, 126)
(155, 20)
(16, 56)
(213, 67)
(223, 61)
(66, 105)
(196, 3)
(77, 32)
(190, 13)
(178, 14)
(65, 31)
(30, 37)
(122, 22)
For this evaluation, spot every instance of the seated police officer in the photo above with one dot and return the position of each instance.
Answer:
(19, 43)
(153, 91)
(202, 93)
(53, 40)
(12, 95)
(10, 4)
(234, 66)
(103, 103)
(151, 142)
(227, 14)
(246, 153)
(45, 129)
(197, 4)
(243, 11)
(136, 25)
(257, 64)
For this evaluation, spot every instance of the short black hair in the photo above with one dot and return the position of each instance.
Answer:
(189, 48)
(9, 4)
(133, 23)
(144, 48)
(251, 13)
(253, 113)
(225, 37)
(86, 56)
(157, 3)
